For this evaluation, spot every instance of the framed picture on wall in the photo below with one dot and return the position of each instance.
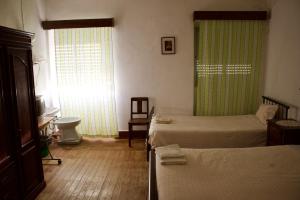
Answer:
(167, 45)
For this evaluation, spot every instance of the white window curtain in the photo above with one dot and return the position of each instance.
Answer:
(85, 78)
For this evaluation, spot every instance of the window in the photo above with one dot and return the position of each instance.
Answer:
(85, 78)
(228, 66)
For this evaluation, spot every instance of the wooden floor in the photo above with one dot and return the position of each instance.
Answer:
(97, 169)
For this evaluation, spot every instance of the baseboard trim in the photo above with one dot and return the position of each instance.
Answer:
(136, 134)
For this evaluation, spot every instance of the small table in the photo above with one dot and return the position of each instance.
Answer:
(43, 124)
(281, 132)
(46, 139)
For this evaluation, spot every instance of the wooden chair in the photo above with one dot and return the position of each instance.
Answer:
(139, 115)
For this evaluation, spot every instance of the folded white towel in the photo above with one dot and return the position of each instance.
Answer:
(173, 161)
(170, 146)
(170, 155)
(163, 120)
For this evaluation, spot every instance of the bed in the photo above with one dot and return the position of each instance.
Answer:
(213, 131)
(264, 173)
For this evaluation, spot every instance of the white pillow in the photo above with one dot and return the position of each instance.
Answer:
(265, 112)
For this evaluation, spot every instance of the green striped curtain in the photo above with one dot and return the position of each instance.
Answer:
(228, 66)
(85, 78)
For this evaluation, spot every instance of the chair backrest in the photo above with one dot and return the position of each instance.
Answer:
(139, 107)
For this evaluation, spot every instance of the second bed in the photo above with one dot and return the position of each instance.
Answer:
(232, 173)
(213, 131)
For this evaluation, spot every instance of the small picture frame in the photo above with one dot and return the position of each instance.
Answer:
(167, 45)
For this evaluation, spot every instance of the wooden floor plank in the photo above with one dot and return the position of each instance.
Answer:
(98, 168)
(53, 174)
(69, 173)
(101, 177)
(89, 187)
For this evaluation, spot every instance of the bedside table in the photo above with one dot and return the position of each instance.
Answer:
(281, 132)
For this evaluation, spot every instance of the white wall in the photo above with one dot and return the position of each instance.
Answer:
(33, 13)
(283, 60)
(10, 14)
(140, 69)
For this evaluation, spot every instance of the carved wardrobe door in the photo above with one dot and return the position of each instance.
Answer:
(25, 120)
(21, 171)
(9, 187)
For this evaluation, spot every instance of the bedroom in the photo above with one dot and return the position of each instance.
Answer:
(140, 68)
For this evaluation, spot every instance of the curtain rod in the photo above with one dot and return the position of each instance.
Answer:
(231, 15)
(78, 23)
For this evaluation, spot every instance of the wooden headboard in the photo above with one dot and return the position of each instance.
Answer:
(282, 112)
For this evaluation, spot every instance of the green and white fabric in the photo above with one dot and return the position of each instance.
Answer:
(85, 78)
(228, 66)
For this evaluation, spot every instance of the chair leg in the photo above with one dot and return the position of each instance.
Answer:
(129, 134)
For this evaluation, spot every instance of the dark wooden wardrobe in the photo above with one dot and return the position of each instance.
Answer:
(21, 172)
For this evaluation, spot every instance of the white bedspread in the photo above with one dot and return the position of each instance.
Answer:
(209, 132)
(260, 173)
